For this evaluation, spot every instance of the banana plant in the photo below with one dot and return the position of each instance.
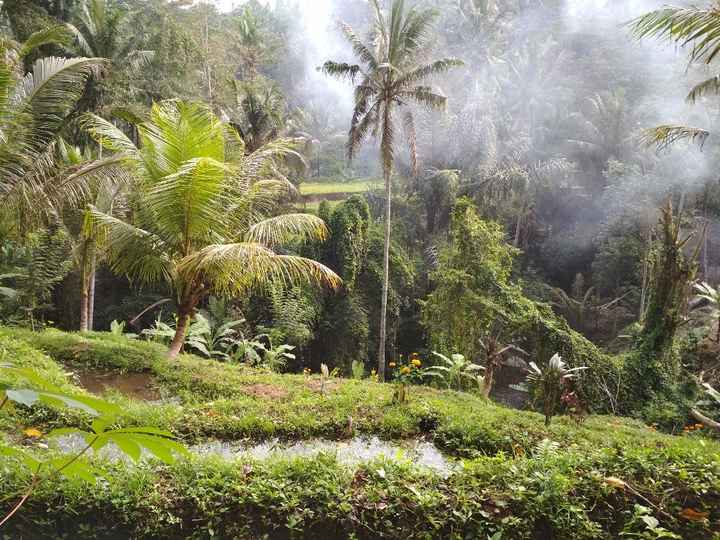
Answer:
(712, 296)
(548, 383)
(457, 371)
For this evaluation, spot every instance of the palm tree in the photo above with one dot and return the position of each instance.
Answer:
(98, 33)
(391, 76)
(202, 211)
(33, 109)
(103, 192)
(699, 28)
(260, 112)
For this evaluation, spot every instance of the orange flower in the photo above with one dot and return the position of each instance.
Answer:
(693, 515)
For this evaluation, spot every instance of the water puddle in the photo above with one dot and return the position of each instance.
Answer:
(350, 452)
(134, 385)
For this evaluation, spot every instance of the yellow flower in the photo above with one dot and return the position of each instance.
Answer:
(405, 370)
(33, 433)
(373, 372)
(392, 364)
(416, 362)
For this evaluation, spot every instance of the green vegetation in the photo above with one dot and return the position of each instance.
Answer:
(537, 284)
(331, 188)
(523, 479)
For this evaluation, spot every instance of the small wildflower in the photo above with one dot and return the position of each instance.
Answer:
(33, 433)
(373, 373)
(392, 364)
(416, 362)
(405, 370)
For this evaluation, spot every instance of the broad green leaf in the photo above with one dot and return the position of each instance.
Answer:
(75, 469)
(59, 432)
(26, 459)
(127, 446)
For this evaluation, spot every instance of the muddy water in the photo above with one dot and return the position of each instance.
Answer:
(134, 385)
(351, 452)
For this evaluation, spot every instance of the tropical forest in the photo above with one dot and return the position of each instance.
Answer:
(363, 269)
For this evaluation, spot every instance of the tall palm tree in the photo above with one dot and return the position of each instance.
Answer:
(391, 75)
(202, 210)
(698, 28)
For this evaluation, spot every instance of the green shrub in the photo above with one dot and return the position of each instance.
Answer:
(547, 494)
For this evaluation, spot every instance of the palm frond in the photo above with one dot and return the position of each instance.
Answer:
(132, 251)
(49, 91)
(686, 26)
(107, 134)
(83, 47)
(189, 204)
(361, 50)
(57, 34)
(710, 86)
(424, 95)
(341, 70)
(237, 268)
(287, 227)
(665, 136)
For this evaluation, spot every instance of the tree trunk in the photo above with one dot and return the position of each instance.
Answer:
(488, 380)
(83, 304)
(707, 422)
(91, 292)
(85, 286)
(386, 277)
(180, 329)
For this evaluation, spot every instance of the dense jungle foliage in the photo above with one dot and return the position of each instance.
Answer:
(486, 225)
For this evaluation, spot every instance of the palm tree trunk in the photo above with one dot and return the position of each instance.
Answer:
(83, 305)
(386, 277)
(85, 271)
(91, 292)
(180, 330)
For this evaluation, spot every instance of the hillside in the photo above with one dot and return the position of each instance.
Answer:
(504, 473)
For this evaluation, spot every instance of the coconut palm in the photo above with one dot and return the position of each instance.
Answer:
(33, 109)
(391, 75)
(98, 33)
(202, 210)
(698, 28)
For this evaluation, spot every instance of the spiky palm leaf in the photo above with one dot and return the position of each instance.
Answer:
(685, 26)
(693, 26)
